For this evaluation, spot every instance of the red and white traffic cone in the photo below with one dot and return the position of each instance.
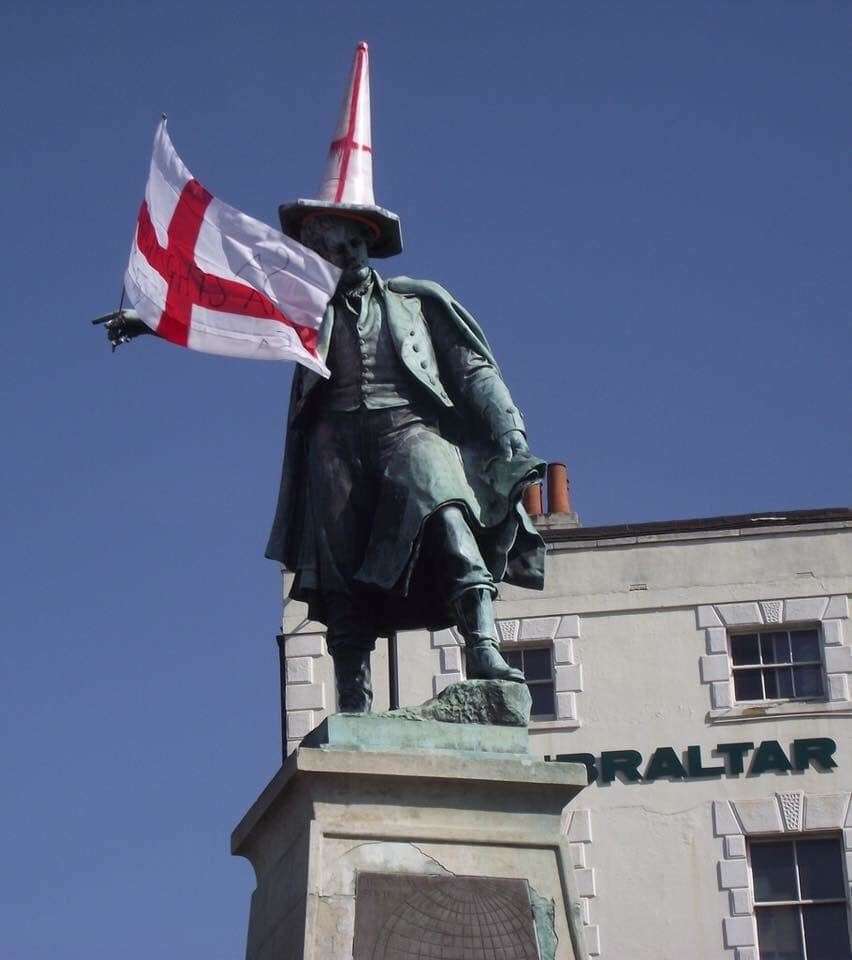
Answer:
(347, 186)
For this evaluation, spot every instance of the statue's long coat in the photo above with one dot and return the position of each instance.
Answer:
(475, 411)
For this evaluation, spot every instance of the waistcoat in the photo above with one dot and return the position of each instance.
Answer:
(365, 367)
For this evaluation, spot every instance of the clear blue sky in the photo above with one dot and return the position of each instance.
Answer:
(646, 204)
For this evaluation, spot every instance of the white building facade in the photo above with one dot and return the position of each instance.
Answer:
(701, 670)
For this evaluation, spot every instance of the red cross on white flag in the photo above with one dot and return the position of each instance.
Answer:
(205, 276)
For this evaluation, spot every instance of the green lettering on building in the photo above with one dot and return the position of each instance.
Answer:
(820, 750)
(665, 763)
(769, 757)
(625, 762)
(696, 768)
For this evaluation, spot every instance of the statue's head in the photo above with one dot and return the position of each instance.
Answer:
(343, 241)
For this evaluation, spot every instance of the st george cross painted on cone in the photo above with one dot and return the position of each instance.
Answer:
(405, 457)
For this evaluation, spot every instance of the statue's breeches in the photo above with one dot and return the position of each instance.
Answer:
(374, 477)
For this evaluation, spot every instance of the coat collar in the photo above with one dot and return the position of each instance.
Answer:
(391, 300)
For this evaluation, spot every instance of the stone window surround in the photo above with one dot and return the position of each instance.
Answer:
(783, 814)
(557, 632)
(303, 696)
(578, 828)
(830, 612)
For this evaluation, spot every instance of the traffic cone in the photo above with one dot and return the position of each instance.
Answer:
(347, 186)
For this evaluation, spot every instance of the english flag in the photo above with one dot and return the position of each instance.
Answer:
(206, 276)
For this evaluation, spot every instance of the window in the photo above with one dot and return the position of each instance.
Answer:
(777, 665)
(799, 900)
(536, 665)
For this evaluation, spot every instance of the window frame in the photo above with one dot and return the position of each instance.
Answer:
(522, 649)
(797, 905)
(763, 630)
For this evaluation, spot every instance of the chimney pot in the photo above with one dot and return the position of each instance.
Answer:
(533, 500)
(558, 497)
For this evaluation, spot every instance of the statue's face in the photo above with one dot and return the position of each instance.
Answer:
(343, 242)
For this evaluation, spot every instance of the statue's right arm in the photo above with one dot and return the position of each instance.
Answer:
(122, 326)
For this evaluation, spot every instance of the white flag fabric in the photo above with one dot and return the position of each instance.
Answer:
(206, 276)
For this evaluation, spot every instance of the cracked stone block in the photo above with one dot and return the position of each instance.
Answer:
(304, 645)
(739, 932)
(451, 660)
(568, 678)
(724, 821)
(838, 659)
(563, 651)
(566, 706)
(580, 830)
(733, 873)
(773, 610)
(299, 723)
(832, 633)
(444, 638)
(592, 936)
(299, 669)
(721, 694)
(706, 616)
(735, 847)
(759, 816)
(539, 628)
(838, 686)
(825, 813)
(717, 640)
(569, 627)
(804, 609)
(838, 608)
(741, 904)
(509, 630)
(739, 614)
(305, 696)
(715, 667)
(585, 882)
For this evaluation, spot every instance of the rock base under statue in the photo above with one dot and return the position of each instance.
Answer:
(376, 843)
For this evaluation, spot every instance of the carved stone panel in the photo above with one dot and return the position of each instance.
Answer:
(412, 917)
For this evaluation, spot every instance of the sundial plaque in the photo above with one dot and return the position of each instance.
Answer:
(415, 917)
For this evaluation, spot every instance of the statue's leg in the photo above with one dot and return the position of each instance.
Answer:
(350, 646)
(471, 592)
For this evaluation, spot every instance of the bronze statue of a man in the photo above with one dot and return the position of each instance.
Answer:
(400, 499)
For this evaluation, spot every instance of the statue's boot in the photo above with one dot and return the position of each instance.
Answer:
(474, 612)
(354, 683)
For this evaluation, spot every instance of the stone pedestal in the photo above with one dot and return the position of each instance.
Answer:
(422, 798)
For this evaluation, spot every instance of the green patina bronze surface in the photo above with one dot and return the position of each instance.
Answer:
(440, 347)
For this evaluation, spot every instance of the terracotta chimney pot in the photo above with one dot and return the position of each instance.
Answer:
(533, 500)
(558, 497)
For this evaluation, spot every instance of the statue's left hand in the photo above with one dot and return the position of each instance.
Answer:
(514, 443)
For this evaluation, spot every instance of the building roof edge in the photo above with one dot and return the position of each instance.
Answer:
(551, 529)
